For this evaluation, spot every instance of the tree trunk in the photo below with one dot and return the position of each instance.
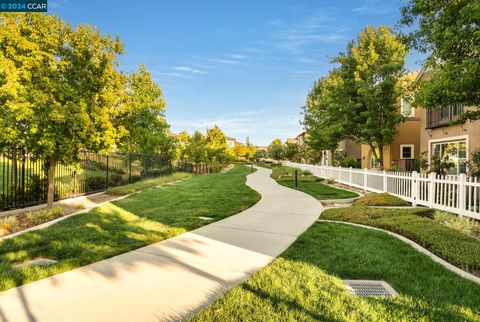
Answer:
(51, 183)
(380, 158)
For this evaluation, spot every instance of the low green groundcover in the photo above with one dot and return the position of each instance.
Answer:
(304, 283)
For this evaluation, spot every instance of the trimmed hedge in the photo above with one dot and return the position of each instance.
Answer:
(381, 199)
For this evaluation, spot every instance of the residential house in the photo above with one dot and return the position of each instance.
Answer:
(349, 148)
(292, 140)
(231, 142)
(439, 138)
(405, 150)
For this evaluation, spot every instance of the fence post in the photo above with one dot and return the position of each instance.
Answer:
(384, 177)
(462, 196)
(350, 179)
(75, 183)
(365, 178)
(431, 189)
(130, 168)
(107, 170)
(414, 187)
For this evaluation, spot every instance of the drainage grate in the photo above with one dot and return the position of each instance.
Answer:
(36, 262)
(364, 288)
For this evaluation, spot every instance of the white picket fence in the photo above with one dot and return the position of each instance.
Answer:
(456, 194)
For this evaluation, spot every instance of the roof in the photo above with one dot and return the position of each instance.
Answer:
(229, 138)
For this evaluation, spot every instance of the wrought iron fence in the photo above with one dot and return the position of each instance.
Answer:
(23, 179)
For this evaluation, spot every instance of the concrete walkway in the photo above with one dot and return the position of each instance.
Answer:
(175, 278)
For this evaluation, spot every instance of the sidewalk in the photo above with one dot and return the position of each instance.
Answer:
(175, 278)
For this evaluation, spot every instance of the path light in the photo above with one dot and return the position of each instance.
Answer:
(296, 178)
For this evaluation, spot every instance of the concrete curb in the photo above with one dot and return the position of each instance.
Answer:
(51, 222)
(419, 248)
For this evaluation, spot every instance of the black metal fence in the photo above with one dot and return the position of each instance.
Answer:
(23, 180)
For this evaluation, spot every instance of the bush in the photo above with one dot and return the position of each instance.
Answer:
(381, 199)
(115, 180)
(8, 225)
(37, 218)
(95, 183)
(465, 225)
(215, 168)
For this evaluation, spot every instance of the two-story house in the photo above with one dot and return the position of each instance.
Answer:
(441, 138)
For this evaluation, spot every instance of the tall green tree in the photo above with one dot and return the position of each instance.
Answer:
(370, 71)
(276, 149)
(144, 116)
(196, 149)
(68, 89)
(217, 149)
(449, 33)
(181, 143)
(326, 114)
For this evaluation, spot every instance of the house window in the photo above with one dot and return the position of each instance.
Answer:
(406, 108)
(406, 151)
(443, 116)
(454, 152)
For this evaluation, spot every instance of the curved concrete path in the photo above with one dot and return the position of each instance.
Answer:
(175, 278)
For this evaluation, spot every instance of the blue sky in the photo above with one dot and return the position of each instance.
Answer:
(246, 66)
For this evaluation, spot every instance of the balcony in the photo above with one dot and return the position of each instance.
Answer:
(444, 116)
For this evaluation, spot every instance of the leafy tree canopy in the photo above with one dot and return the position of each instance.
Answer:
(449, 32)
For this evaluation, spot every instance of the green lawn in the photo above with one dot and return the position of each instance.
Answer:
(117, 227)
(147, 183)
(304, 283)
(416, 224)
(309, 184)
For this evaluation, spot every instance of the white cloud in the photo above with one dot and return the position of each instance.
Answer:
(223, 61)
(188, 69)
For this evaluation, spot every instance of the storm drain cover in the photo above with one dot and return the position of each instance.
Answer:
(364, 288)
(205, 218)
(36, 262)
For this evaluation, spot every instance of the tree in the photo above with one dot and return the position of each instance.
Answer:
(370, 71)
(216, 145)
(325, 116)
(196, 149)
(250, 149)
(144, 116)
(181, 144)
(292, 152)
(448, 31)
(239, 150)
(275, 150)
(67, 89)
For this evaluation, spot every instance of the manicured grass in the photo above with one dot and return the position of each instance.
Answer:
(309, 184)
(304, 283)
(147, 183)
(416, 224)
(117, 227)
(381, 199)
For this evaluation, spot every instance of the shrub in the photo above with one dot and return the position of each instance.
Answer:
(37, 218)
(95, 183)
(8, 225)
(215, 168)
(115, 179)
(307, 173)
(381, 199)
(465, 225)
